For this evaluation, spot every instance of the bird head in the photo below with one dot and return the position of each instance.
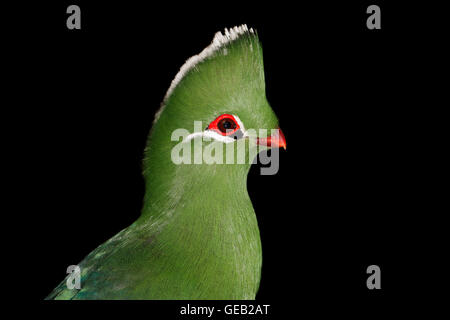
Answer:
(217, 100)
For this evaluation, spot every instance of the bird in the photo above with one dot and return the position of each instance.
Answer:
(197, 236)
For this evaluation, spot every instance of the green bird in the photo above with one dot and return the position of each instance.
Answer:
(197, 236)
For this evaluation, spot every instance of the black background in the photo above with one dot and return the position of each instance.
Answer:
(347, 194)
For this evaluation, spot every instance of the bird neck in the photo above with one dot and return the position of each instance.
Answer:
(202, 187)
(200, 221)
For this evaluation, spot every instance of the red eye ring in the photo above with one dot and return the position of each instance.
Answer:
(224, 124)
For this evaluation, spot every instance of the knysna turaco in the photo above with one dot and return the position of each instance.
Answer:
(197, 236)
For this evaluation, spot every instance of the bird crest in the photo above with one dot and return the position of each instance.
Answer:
(221, 44)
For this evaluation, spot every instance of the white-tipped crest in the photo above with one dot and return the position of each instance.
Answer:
(219, 41)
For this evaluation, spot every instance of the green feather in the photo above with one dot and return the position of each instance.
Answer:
(197, 236)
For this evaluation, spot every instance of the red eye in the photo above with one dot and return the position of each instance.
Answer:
(225, 124)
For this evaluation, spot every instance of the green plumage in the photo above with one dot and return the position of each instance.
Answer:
(197, 236)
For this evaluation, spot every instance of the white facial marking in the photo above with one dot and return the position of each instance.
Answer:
(217, 136)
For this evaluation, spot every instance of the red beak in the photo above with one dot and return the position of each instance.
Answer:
(276, 140)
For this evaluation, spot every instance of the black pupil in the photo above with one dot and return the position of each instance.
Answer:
(226, 124)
